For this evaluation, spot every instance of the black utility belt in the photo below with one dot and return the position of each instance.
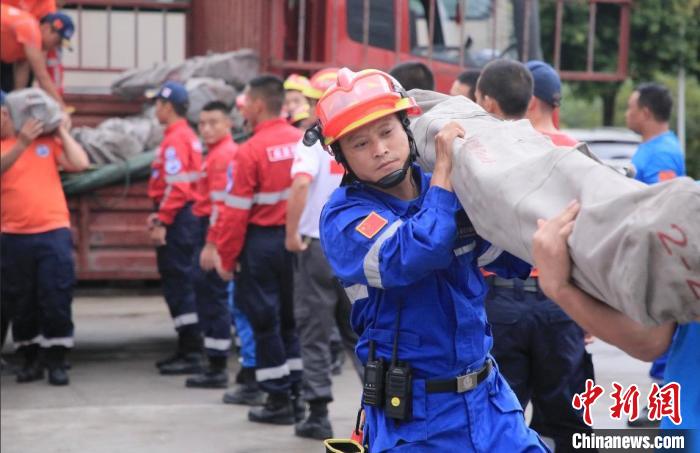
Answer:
(460, 384)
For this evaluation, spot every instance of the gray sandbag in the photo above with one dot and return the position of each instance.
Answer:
(635, 247)
(135, 82)
(235, 68)
(34, 103)
(203, 90)
(104, 146)
(147, 132)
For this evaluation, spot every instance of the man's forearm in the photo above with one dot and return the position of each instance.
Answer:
(601, 320)
(295, 207)
(9, 158)
(76, 157)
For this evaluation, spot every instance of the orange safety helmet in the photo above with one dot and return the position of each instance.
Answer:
(297, 82)
(321, 81)
(358, 98)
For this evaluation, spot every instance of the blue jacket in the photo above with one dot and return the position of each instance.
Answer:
(427, 255)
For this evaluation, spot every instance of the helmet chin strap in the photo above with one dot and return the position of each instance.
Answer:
(394, 178)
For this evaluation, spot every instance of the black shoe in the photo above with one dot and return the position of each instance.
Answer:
(246, 395)
(314, 428)
(210, 379)
(299, 406)
(276, 411)
(169, 360)
(30, 373)
(188, 364)
(32, 368)
(58, 376)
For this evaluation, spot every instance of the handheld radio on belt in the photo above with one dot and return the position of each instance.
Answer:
(393, 390)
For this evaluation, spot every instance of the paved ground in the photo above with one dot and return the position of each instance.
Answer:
(118, 403)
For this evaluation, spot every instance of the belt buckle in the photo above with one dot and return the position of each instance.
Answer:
(466, 382)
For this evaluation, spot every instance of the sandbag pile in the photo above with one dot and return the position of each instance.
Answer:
(117, 139)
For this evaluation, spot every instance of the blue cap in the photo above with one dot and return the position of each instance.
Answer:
(172, 92)
(2, 97)
(547, 82)
(61, 23)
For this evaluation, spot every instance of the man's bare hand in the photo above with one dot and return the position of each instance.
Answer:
(225, 275)
(152, 220)
(209, 259)
(295, 244)
(443, 153)
(158, 235)
(31, 129)
(551, 252)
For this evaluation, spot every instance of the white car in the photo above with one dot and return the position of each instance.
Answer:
(613, 145)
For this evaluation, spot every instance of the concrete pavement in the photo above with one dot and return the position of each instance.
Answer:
(117, 402)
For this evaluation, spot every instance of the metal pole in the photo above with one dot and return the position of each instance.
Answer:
(526, 31)
(365, 33)
(462, 22)
(681, 108)
(557, 34)
(495, 25)
(334, 41)
(431, 32)
(301, 26)
(398, 24)
(591, 35)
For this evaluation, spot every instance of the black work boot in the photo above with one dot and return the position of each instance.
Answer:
(191, 358)
(177, 355)
(277, 410)
(32, 369)
(246, 391)
(317, 425)
(214, 377)
(298, 403)
(56, 363)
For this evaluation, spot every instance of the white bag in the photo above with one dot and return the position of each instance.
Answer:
(635, 247)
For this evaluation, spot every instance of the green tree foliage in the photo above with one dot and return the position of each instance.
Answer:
(664, 34)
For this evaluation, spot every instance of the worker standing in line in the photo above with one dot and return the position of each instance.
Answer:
(658, 158)
(173, 227)
(408, 254)
(296, 101)
(23, 40)
(210, 290)
(37, 247)
(317, 293)
(251, 237)
(540, 349)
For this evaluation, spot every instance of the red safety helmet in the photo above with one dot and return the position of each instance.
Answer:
(321, 81)
(358, 98)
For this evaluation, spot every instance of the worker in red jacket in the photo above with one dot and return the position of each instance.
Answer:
(250, 237)
(173, 227)
(210, 290)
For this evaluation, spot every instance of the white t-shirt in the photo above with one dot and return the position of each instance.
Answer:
(325, 174)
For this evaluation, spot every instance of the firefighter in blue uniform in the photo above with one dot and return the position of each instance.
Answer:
(409, 260)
